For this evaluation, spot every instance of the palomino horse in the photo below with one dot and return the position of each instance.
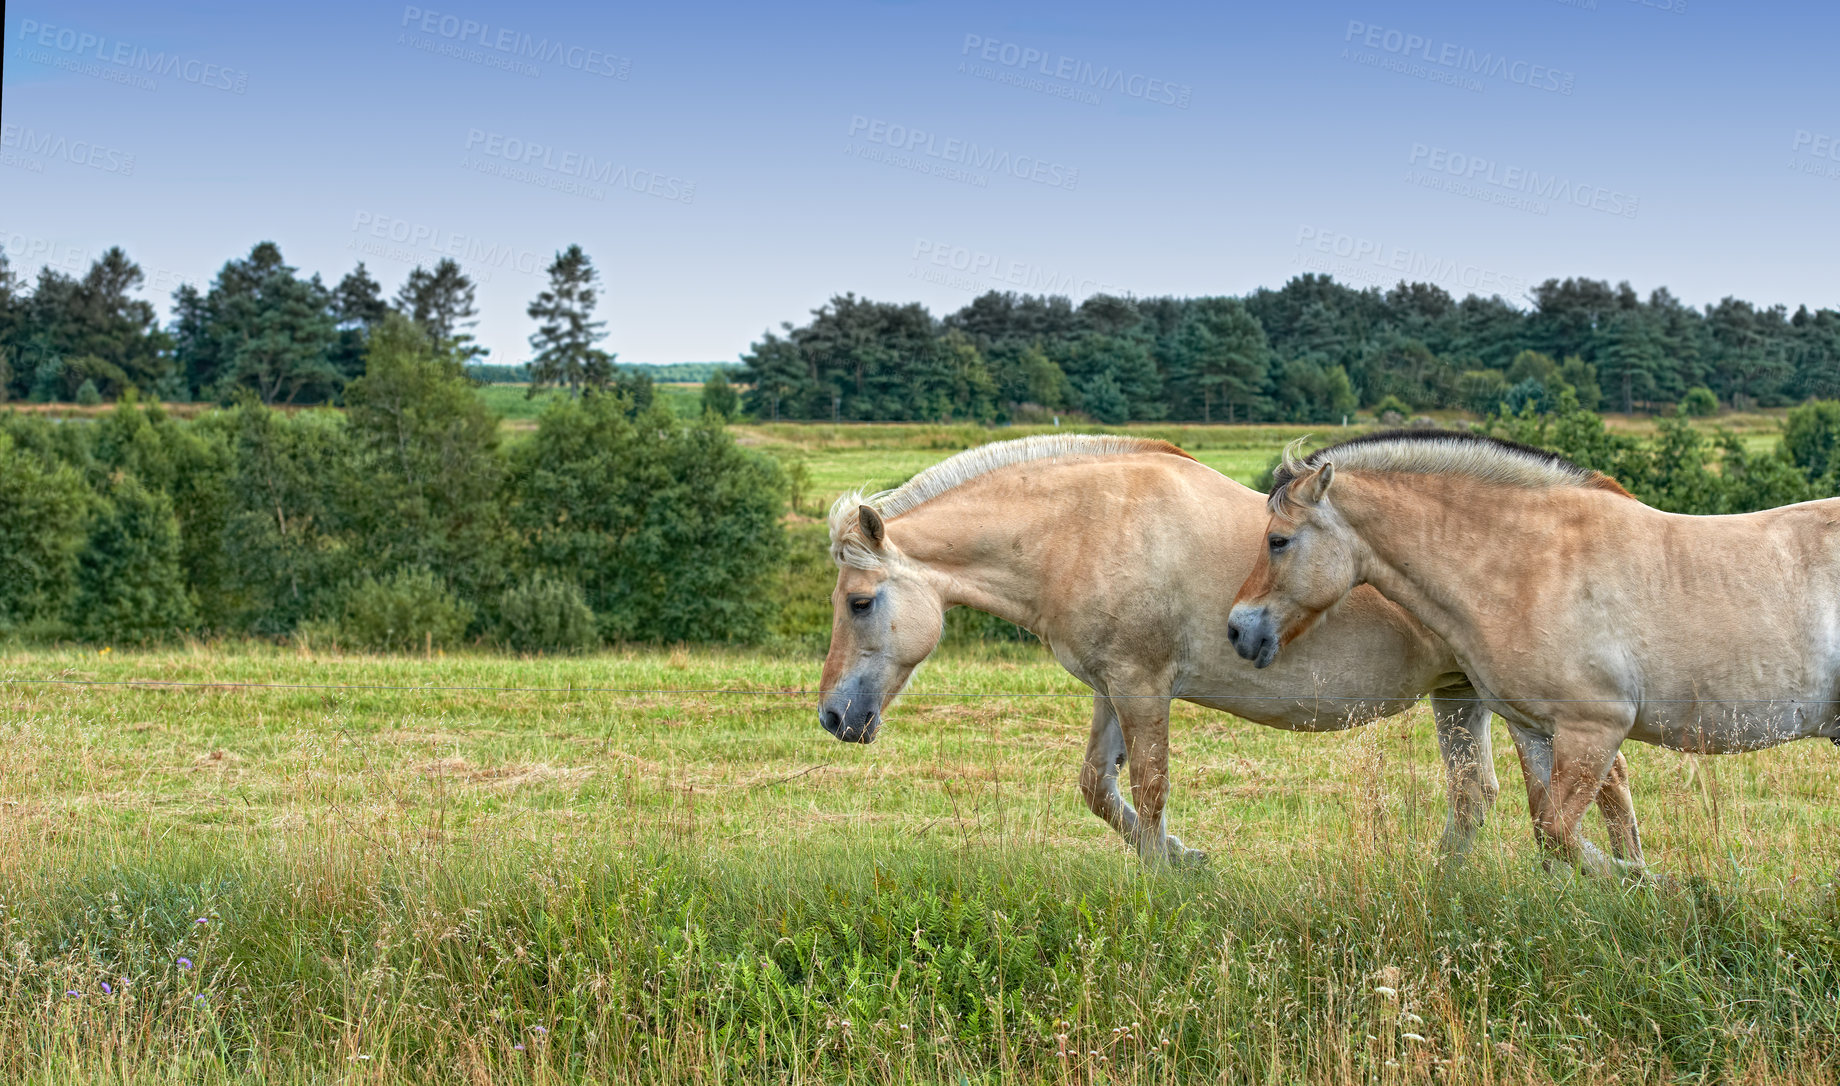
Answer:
(1122, 554)
(1578, 612)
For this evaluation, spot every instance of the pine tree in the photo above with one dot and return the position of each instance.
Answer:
(780, 379)
(1226, 348)
(1105, 401)
(566, 355)
(441, 301)
(357, 306)
(1630, 356)
(259, 327)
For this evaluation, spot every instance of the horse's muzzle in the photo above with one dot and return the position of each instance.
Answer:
(1253, 634)
(849, 723)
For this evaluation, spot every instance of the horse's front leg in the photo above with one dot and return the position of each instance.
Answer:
(1564, 776)
(1144, 721)
(1099, 774)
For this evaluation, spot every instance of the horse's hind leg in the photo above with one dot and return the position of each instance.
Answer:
(1099, 774)
(1469, 768)
(1618, 807)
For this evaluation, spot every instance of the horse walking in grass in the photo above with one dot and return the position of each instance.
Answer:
(1579, 614)
(1122, 554)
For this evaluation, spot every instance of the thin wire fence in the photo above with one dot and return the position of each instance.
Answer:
(723, 691)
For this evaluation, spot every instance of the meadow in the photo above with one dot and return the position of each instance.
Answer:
(245, 862)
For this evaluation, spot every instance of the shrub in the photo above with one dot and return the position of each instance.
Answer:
(1392, 411)
(1699, 403)
(1481, 390)
(719, 397)
(1530, 393)
(673, 531)
(406, 612)
(131, 584)
(1811, 437)
(87, 394)
(43, 510)
(545, 614)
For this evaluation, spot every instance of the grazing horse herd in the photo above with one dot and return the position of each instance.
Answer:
(1494, 577)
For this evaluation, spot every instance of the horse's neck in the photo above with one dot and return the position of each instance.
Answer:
(1415, 538)
(982, 554)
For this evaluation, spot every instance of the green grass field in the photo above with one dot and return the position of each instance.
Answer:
(404, 869)
(653, 865)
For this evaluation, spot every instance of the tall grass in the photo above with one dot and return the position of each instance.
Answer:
(428, 960)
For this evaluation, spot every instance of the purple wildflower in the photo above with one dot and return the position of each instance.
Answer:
(106, 989)
(202, 920)
(185, 963)
(538, 1030)
(199, 998)
(518, 1048)
(72, 992)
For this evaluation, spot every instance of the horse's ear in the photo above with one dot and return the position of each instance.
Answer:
(872, 528)
(1317, 484)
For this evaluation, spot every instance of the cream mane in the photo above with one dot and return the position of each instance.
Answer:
(847, 545)
(1441, 452)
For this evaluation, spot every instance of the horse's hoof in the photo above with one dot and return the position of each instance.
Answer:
(1638, 875)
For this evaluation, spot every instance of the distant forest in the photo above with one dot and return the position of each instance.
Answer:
(1310, 351)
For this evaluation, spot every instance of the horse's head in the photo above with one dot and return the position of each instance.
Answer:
(1307, 565)
(885, 619)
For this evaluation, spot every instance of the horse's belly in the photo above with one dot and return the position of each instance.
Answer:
(1733, 727)
(1305, 714)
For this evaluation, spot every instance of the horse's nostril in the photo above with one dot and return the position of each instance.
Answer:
(831, 719)
(1233, 633)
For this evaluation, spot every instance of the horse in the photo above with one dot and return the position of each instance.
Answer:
(1120, 554)
(1578, 613)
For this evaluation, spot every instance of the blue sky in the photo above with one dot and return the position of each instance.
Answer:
(732, 166)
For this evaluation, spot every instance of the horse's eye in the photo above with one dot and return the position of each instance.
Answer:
(1278, 543)
(861, 606)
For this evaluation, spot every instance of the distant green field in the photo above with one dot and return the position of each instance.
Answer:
(873, 456)
(514, 404)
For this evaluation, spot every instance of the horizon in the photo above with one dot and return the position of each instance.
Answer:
(1079, 152)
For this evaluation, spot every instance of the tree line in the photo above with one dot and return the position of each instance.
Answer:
(262, 328)
(1311, 351)
(401, 522)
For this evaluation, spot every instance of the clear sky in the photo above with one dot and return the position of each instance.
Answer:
(731, 166)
